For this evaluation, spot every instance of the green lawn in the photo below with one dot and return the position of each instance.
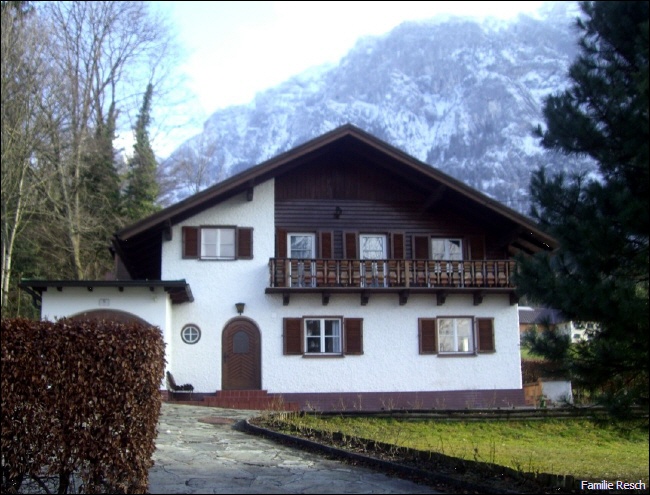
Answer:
(578, 447)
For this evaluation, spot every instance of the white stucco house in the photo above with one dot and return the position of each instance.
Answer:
(341, 274)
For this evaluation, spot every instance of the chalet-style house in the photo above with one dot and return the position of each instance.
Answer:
(343, 274)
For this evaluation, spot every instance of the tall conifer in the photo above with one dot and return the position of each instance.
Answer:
(600, 271)
(142, 189)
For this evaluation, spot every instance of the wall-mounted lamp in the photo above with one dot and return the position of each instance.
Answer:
(338, 212)
(240, 307)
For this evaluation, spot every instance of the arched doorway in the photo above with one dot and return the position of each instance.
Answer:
(109, 315)
(241, 364)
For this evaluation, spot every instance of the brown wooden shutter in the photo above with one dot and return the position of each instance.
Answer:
(353, 330)
(190, 242)
(292, 335)
(350, 245)
(421, 247)
(476, 247)
(245, 243)
(326, 245)
(281, 243)
(397, 246)
(485, 335)
(427, 336)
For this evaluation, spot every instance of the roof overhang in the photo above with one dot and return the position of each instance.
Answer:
(147, 234)
(179, 290)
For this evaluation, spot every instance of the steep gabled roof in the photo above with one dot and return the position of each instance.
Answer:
(139, 245)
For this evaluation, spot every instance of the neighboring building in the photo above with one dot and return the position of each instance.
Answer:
(539, 318)
(341, 274)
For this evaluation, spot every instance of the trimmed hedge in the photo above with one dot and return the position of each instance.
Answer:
(80, 397)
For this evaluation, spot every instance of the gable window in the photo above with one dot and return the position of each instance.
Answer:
(217, 243)
(447, 249)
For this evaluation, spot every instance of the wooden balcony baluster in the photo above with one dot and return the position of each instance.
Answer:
(330, 266)
(444, 273)
(466, 270)
(479, 279)
(320, 273)
(344, 273)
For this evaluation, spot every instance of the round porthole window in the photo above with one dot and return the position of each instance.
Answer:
(190, 334)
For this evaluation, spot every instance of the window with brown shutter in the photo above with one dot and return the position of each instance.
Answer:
(326, 245)
(353, 332)
(281, 243)
(190, 242)
(217, 242)
(245, 243)
(476, 247)
(485, 334)
(397, 250)
(350, 245)
(427, 336)
(292, 336)
(421, 247)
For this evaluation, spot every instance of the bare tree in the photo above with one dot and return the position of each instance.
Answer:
(193, 167)
(22, 76)
(101, 54)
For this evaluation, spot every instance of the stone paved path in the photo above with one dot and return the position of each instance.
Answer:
(209, 456)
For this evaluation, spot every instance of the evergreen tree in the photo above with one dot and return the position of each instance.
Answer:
(600, 270)
(142, 187)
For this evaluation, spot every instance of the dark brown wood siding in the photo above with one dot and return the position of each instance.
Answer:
(371, 199)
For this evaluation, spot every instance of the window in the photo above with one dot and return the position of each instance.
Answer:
(190, 334)
(373, 247)
(447, 249)
(326, 335)
(463, 335)
(217, 243)
(323, 335)
(455, 335)
(301, 246)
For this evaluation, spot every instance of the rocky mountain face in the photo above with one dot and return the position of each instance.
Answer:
(461, 95)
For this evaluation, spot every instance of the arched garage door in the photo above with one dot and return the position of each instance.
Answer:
(109, 315)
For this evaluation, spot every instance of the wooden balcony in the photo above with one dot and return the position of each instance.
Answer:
(403, 277)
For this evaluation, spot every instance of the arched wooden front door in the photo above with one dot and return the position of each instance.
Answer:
(241, 365)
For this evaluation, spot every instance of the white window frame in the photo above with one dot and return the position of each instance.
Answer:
(462, 332)
(312, 255)
(322, 339)
(374, 266)
(222, 244)
(448, 250)
(311, 236)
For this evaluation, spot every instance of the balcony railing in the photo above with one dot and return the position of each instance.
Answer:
(366, 274)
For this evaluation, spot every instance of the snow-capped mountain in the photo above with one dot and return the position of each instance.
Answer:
(459, 94)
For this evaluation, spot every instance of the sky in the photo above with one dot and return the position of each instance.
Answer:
(233, 50)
